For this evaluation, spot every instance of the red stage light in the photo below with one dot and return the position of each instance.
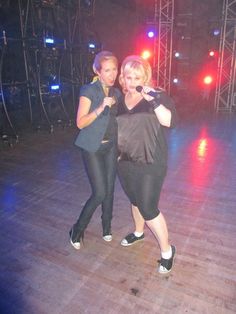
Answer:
(146, 54)
(208, 79)
(212, 53)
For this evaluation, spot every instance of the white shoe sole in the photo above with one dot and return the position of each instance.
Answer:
(76, 245)
(107, 238)
(125, 243)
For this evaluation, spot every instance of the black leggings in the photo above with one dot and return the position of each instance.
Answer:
(142, 184)
(101, 170)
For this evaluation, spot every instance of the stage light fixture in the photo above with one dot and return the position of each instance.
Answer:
(216, 32)
(92, 46)
(208, 79)
(175, 80)
(151, 34)
(55, 87)
(177, 54)
(146, 54)
(49, 40)
(212, 53)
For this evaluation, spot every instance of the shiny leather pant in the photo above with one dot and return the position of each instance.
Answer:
(101, 170)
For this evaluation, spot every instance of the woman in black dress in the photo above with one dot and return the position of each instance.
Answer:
(142, 161)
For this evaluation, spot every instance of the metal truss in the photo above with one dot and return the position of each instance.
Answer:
(3, 106)
(226, 75)
(63, 63)
(164, 18)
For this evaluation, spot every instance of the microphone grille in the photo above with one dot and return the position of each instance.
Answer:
(139, 89)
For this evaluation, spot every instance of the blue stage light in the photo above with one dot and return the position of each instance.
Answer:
(49, 40)
(55, 87)
(216, 32)
(91, 46)
(151, 34)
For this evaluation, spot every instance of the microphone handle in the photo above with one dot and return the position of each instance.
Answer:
(106, 110)
(156, 94)
(153, 94)
(110, 94)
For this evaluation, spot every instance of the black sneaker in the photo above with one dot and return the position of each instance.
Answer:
(165, 265)
(131, 239)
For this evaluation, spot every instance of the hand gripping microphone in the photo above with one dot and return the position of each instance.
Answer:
(155, 103)
(110, 94)
(155, 94)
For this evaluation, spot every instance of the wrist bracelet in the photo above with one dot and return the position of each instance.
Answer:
(155, 103)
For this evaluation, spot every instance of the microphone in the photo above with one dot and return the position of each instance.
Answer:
(155, 94)
(106, 110)
(110, 94)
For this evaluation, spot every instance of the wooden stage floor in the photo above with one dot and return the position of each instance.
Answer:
(43, 187)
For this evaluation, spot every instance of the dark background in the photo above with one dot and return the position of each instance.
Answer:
(117, 25)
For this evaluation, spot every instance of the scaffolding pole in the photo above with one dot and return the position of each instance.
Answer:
(226, 72)
(164, 19)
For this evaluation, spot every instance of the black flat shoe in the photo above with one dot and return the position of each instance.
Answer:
(131, 239)
(167, 264)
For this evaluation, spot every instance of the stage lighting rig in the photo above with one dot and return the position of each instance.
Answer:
(51, 42)
(93, 47)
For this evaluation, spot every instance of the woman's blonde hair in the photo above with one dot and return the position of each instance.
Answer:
(103, 55)
(140, 66)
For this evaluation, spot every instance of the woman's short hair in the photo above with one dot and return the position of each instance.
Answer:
(103, 55)
(138, 64)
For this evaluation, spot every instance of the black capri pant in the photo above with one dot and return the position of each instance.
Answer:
(142, 184)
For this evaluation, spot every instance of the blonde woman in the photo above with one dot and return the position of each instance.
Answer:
(97, 140)
(142, 161)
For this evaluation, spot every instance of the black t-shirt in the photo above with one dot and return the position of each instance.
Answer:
(111, 131)
(141, 138)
